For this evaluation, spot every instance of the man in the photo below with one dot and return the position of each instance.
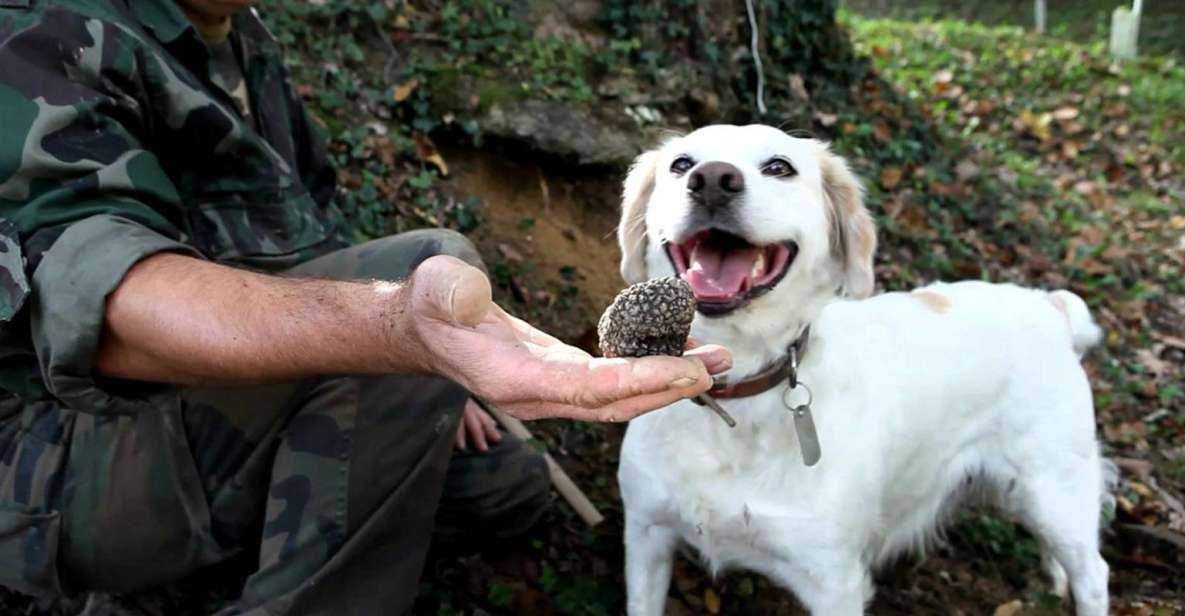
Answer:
(182, 327)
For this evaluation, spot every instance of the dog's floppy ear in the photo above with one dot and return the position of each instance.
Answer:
(631, 231)
(853, 234)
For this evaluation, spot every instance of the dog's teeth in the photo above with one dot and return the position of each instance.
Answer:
(758, 266)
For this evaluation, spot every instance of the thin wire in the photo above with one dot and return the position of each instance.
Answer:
(756, 58)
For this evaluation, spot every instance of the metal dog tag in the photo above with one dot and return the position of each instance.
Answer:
(808, 438)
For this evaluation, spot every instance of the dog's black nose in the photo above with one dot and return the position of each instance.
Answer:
(715, 184)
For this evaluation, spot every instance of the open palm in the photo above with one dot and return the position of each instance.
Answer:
(529, 373)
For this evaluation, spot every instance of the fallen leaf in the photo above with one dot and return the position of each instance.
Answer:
(882, 132)
(1035, 125)
(427, 152)
(1065, 114)
(1142, 489)
(966, 170)
(1157, 366)
(712, 601)
(509, 253)
(1140, 469)
(826, 119)
(1009, 609)
(405, 90)
(798, 87)
(890, 177)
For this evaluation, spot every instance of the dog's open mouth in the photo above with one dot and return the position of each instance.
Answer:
(725, 271)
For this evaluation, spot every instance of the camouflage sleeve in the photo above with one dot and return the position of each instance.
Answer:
(80, 192)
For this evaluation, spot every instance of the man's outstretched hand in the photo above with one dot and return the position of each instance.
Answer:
(456, 330)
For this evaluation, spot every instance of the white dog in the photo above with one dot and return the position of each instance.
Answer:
(915, 398)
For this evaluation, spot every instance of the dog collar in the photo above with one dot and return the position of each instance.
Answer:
(784, 370)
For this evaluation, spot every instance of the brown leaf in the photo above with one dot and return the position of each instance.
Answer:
(798, 87)
(1012, 608)
(882, 132)
(711, 601)
(1157, 366)
(427, 152)
(1114, 172)
(966, 170)
(1140, 469)
(1065, 114)
(826, 119)
(405, 90)
(510, 253)
(890, 177)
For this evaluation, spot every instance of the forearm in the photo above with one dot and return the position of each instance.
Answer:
(175, 319)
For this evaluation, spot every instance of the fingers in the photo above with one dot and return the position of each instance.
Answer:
(489, 426)
(455, 291)
(716, 358)
(600, 382)
(474, 429)
(477, 427)
(459, 439)
(623, 410)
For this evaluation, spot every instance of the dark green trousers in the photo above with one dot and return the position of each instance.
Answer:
(339, 483)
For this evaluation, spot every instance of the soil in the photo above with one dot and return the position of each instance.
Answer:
(549, 238)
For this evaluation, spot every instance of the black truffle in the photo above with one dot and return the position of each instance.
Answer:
(648, 318)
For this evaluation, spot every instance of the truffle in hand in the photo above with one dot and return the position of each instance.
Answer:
(648, 318)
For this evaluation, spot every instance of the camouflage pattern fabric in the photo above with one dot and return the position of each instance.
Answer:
(339, 482)
(118, 143)
(113, 118)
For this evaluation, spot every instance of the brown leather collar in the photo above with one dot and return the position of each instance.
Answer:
(784, 370)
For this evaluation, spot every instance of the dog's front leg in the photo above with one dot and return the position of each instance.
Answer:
(649, 555)
(831, 586)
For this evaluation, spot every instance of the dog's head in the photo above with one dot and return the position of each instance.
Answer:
(750, 217)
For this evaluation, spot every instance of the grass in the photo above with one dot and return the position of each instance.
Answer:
(1080, 21)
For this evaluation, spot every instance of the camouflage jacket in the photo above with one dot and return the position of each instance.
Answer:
(117, 143)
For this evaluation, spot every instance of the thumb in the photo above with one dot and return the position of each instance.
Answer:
(452, 290)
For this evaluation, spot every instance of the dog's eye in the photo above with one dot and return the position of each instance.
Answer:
(681, 165)
(777, 168)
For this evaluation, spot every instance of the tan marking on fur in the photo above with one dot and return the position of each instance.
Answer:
(1060, 304)
(631, 231)
(933, 300)
(853, 234)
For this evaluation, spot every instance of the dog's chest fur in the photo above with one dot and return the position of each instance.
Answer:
(736, 495)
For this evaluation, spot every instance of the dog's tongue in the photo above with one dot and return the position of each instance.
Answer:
(719, 275)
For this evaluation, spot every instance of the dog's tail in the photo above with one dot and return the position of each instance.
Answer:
(1084, 333)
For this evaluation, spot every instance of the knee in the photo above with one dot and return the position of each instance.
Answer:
(499, 494)
(524, 495)
(428, 243)
(397, 256)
